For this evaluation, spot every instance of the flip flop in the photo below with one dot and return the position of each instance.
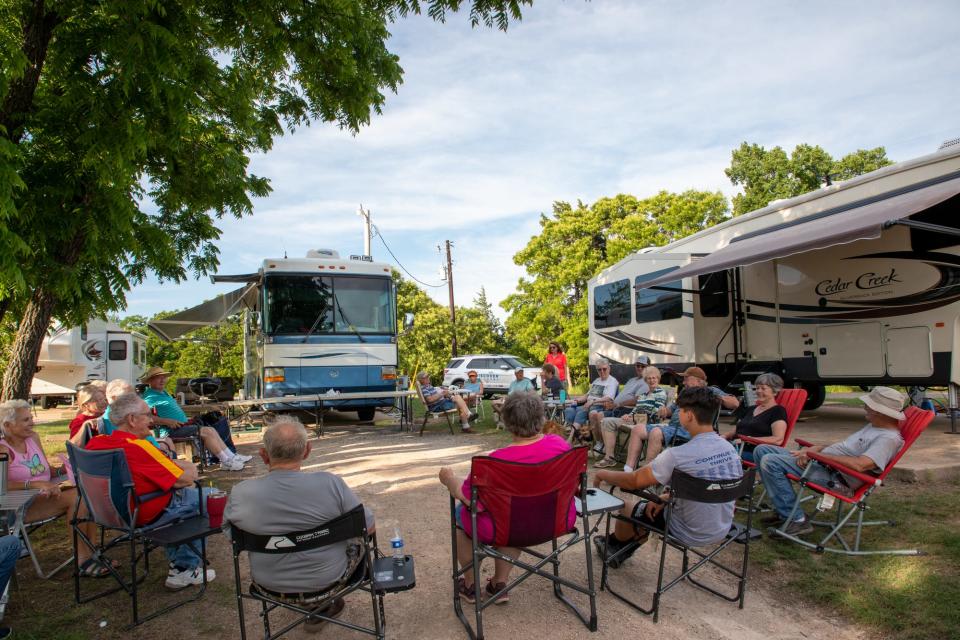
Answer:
(96, 569)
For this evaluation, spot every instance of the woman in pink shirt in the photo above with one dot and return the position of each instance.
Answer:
(524, 417)
(558, 358)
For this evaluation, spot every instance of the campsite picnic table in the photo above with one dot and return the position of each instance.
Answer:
(319, 399)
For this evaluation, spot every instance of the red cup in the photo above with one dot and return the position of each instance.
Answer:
(216, 503)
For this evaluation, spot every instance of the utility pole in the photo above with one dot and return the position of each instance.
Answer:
(366, 230)
(453, 311)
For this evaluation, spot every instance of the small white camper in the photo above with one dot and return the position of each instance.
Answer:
(857, 283)
(98, 350)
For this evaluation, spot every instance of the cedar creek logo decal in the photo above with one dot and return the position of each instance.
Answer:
(865, 282)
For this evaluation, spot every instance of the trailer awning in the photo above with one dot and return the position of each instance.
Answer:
(208, 314)
(858, 221)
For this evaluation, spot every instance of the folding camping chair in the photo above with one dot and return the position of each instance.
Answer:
(427, 413)
(916, 422)
(106, 486)
(686, 487)
(529, 505)
(375, 574)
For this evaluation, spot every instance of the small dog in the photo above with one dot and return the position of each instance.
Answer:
(557, 429)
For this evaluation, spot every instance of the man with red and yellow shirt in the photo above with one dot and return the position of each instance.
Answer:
(152, 471)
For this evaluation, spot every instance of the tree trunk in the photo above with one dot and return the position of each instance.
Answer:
(26, 347)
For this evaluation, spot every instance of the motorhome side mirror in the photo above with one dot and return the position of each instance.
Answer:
(407, 321)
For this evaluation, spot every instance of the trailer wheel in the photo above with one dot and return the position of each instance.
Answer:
(816, 394)
(366, 414)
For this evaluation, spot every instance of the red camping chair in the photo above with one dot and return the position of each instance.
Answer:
(834, 542)
(529, 505)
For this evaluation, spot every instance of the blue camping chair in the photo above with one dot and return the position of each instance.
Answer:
(105, 485)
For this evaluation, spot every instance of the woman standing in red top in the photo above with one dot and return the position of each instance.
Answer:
(558, 358)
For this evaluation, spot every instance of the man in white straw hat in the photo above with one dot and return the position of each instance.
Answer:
(869, 449)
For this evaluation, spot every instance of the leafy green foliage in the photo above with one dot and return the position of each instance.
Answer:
(768, 175)
(574, 244)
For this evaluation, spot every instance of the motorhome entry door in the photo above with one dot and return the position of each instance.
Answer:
(850, 350)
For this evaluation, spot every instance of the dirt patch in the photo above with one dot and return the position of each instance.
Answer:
(395, 475)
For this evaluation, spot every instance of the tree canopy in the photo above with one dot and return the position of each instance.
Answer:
(126, 131)
(768, 175)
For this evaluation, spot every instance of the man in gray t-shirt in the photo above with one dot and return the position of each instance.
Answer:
(868, 450)
(286, 500)
(707, 456)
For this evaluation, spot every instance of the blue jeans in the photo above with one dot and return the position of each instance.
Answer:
(578, 414)
(9, 552)
(184, 503)
(775, 463)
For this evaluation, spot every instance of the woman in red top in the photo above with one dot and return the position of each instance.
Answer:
(558, 358)
(92, 403)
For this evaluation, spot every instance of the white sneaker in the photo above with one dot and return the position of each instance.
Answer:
(242, 457)
(177, 580)
(235, 464)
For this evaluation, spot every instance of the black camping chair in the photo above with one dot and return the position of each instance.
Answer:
(686, 487)
(375, 574)
(105, 485)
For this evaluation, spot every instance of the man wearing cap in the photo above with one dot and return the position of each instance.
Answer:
(170, 421)
(620, 405)
(672, 432)
(519, 385)
(440, 399)
(869, 449)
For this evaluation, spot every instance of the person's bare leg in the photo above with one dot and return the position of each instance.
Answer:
(609, 441)
(501, 568)
(654, 444)
(624, 531)
(465, 556)
(212, 441)
(43, 507)
(635, 446)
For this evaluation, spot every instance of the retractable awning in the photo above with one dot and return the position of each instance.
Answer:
(211, 312)
(858, 221)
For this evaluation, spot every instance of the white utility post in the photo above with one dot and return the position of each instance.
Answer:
(366, 230)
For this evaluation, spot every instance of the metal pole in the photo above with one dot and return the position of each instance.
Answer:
(453, 311)
(366, 230)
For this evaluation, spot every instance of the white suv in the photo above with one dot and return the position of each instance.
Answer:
(494, 370)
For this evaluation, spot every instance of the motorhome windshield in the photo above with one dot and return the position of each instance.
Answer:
(296, 303)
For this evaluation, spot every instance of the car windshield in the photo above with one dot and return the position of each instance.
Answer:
(516, 362)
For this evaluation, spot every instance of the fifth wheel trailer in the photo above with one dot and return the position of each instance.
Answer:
(857, 283)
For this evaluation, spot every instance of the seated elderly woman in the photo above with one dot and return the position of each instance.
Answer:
(91, 402)
(767, 421)
(523, 415)
(475, 386)
(644, 412)
(28, 468)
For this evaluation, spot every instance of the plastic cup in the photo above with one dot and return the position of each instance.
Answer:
(216, 503)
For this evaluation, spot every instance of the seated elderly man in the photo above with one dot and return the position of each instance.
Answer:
(173, 422)
(519, 385)
(622, 404)
(152, 471)
(661, 434)
(707, 455)
(869, 449)
(645, 410)
(440, 399)
(289, 499)
(604, 387)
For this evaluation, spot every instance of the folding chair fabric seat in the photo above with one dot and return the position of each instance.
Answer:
(427, 413)
(365, 576)
(529, 505)
(106, 486)
(917, 420)
(686, 487)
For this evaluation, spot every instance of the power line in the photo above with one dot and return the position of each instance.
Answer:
(399, 264)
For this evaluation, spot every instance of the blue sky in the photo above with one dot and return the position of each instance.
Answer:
(584, 100)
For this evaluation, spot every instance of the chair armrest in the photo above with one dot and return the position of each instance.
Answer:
(802, 442)
(646, 495)
(751, 440)
(836, 466)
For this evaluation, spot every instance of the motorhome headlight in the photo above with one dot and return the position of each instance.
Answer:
(388, 373)
(273, 374)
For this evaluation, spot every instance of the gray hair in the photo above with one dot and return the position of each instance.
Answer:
(523, 414)
(422, 375)
(650, 371)
(8, 410)
(772, 380)
(602, 361)
(124, 406)
(285, 439)
(117, 387)
(99, 385)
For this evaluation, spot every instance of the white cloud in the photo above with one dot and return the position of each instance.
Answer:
(582, 100)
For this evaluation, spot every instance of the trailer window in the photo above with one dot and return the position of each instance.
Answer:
(611, 304)
(714, 295)
(654, 305)
(117, 350)
(136, 354)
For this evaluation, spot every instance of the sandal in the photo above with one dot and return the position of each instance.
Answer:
(92, 568)
(606, 462)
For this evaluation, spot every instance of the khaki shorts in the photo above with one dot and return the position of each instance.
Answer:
(611, 425)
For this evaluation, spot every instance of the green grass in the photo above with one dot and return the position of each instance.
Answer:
(910, 598)
(53, 436)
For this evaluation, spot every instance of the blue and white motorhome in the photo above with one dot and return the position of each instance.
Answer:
(311, 326)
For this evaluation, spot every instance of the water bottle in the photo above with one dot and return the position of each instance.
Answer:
(396, 543)
(563, 395)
